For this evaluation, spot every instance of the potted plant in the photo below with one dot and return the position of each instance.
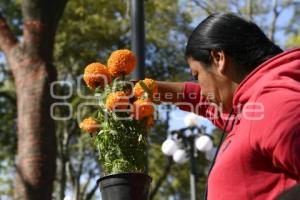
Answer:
(119, 126)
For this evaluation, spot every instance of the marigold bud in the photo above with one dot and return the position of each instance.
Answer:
(121, 62)
(151, 84)
(96, 75)
(117, 100)
(142, 108)
(89, 125)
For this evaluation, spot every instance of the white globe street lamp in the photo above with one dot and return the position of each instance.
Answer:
(192, 138)
(180, 156)
(169, 147)
(204, 143)
(190, 120)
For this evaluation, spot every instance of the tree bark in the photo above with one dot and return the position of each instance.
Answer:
(33, 71)
(36, 136)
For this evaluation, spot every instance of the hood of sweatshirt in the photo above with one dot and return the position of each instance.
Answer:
(281, 71)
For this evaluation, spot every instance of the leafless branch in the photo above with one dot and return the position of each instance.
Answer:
(7, 38)
(91, 193)
(205, 6)
(162, 178)
(87, 183)
(72, 173)
(276, 13)
(249, 8)
(78, 174)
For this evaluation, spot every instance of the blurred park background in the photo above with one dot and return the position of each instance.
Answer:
(42, 41)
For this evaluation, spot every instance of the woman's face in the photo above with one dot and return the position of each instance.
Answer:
(216, 86)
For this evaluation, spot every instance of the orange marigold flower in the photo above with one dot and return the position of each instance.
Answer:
(139, 91)
(142, 108)
(95, 75)
(121, 62)
(89, 125)
(117, 100)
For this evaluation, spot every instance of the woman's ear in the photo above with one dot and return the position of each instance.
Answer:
(219, 60)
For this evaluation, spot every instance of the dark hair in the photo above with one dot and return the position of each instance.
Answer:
(238, 37)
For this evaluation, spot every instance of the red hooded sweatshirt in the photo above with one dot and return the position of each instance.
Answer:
(260, 157)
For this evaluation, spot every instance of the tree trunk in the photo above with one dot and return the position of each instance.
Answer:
(31, 64)
(35, 163)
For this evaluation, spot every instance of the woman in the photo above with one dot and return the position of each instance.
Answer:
(250, 88)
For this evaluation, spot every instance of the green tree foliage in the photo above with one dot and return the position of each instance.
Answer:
(293, 41)
(167, 28)
(293, 30)
(8, 137)
(88, 30)
(7, 115)
(11, 10)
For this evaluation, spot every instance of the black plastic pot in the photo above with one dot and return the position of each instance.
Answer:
(125, 186)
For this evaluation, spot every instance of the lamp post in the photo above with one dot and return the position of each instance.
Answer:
(138, 37)
(193, 172)
(138, 42)
(183, 144)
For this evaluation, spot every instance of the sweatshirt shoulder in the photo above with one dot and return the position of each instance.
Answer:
(280, 114)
